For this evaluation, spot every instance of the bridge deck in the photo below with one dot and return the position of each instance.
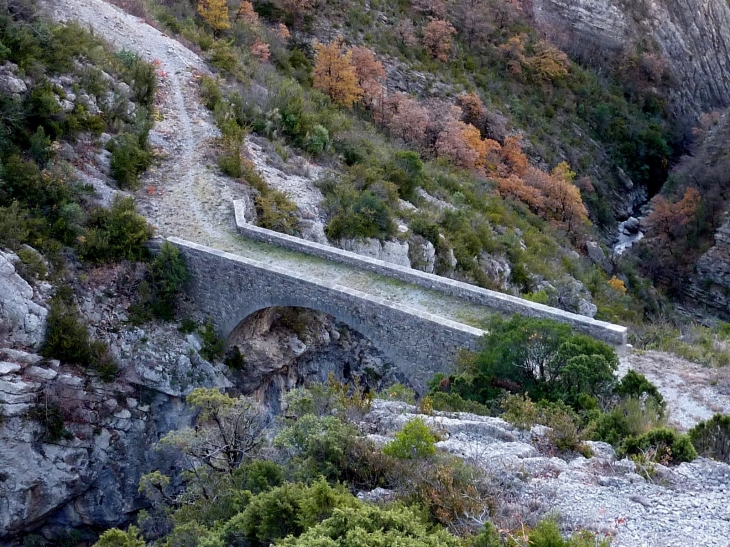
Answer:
(448, 304)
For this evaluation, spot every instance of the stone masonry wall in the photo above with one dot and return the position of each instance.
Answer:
(613, 334)
(230, 288)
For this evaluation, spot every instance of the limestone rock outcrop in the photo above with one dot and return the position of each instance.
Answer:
(711, 284)
(22, 312)
(693, 36)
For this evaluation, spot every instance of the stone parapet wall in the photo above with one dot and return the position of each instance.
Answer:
(504, 303)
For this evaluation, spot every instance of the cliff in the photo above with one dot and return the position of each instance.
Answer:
(692, 35)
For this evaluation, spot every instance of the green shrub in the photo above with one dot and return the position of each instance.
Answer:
(212, 344)
(398, 392)
(168, 275)
(520, 411)
(414, 441)
(276, 211)
(317, 446)
(636, 385)
(234, 359)
(118, 538)
(452, 402)
(67, 339)
(128, 160)
(116, 233)
(665, 446)
(51, 418)
(31, 265)
(188, 326)
(711, 438)
(631, 417)
(14, 226)
(537, 356)
(210, 92)
(259, 476)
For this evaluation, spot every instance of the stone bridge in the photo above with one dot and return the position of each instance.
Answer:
(420, 330)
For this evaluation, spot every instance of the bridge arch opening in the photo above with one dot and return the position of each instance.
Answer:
(284, 347)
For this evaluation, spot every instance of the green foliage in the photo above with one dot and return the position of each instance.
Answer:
(356, 214)
(51, 419)
(453, 402)
(711, 438)
(367, 526)
(317, 445)
(234, 359)
(115, 234)
(128, 160)
(630, 417)
(399, 392)
(664, 445)
(276, 211)
(118, 538)
(636, 385)
(286, 510)
(168, 274)
(67, 338)
(259, 476)
(188, 326)
(14, 228)
(414, 441)
(540, 357)
(212, 343)
(547, 534)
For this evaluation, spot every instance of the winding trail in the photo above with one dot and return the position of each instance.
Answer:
(184, 196)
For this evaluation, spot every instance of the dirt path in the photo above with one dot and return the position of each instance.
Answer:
(181, 196)
(693, 392)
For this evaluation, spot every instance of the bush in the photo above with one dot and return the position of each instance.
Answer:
(116, 233)
(636, 385)
(537, 356)
(275, 211)
(664, 445)
(452, 402)
(399, 392)
(128, 160)
(168, 274)
(631, 417)
(14, 227)
(212, 344)
(67, 339)
(711, 438)
(317, 446)
(414, 441)
(50, 417)
(234, 359)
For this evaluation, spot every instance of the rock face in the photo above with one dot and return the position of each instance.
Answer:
(711, 284)
(683, 505)
(22, 312)
(395, 252)
(693, 36)
(284, 348)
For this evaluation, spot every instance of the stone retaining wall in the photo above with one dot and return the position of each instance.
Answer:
(608, 332)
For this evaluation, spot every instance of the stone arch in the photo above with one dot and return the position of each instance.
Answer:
(376, 334)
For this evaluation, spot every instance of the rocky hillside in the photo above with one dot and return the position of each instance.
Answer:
(692, 39)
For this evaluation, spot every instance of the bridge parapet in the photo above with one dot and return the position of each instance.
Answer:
(504, 303)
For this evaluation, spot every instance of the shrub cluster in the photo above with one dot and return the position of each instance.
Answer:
(67, 338)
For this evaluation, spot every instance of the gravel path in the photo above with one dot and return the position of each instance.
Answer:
(185, 196)
(693, 392)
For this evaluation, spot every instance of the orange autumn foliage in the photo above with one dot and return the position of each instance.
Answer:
(370, 73)
(260, 50)
(246, 13)
(437, 38)
(334, 73)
